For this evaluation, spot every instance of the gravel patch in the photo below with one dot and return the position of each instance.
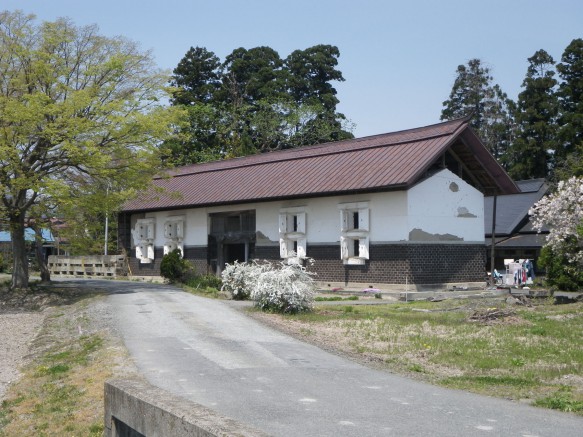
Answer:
(25, 331)
(17, 331)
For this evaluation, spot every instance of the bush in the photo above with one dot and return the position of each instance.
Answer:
(3, 263)
(280, 288)
(560, 271)
(173, 267)
(240, 278)
(205, 281)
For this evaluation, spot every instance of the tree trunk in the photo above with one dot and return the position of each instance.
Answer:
(19, 258)
(45, 274)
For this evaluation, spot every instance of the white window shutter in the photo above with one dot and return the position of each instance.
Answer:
(139, 251)
(150, 231)
(282, 223)
(363, 248)
(136, 236)
(169, 247)
(180, 247)
(283, 252)
(142, 231)
(168, 230)
(344, 253)
(302, 243)
(363, 219)
(344, 220)
(150, 253)
(301, 221)
(179, 229)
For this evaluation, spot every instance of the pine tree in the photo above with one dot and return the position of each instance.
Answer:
(531, 154)
(196, 78)
(474, 94)
(255, 102)
(570, 151)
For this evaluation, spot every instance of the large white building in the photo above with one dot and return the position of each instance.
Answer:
(387, 210)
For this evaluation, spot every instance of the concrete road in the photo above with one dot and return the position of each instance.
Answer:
(211, 353)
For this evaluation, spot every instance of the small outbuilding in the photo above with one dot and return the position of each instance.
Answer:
(402, 209)
(515, 237)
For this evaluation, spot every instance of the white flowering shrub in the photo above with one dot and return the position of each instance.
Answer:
(285, 289)
(273, 287)
(562, 212)
(239, 278)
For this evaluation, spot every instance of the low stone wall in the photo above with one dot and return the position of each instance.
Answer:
(136, 408)
(94, 265)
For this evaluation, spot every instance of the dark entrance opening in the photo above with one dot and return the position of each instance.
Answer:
(232, 238)
(234, 252)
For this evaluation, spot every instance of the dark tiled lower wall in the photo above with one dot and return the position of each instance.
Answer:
(398, 263)
(196, 255)
(198, 258)
(388, 264)
(149, 269)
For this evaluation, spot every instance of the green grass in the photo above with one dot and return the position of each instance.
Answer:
(562, 400)
(528, 355)
(334, 298)
(61, 391)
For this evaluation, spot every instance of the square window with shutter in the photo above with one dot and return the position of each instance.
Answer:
(143, 234)
(174, 234)
(292, 234)
(354, 232)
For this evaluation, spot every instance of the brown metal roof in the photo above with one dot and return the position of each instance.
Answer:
(380, 162)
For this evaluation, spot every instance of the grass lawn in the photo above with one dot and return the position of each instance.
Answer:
(529, 353)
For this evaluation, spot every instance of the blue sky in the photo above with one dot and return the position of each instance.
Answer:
(398, 58)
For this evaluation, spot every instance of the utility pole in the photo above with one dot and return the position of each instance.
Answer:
(493, 242)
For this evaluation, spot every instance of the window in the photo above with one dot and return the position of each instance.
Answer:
(354, 232)
(174, 234)
(143, 234)
(292, 234)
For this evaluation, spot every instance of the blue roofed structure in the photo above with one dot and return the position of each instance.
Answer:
(28, 236)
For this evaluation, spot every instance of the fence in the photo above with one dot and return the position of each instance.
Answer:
(95, 265)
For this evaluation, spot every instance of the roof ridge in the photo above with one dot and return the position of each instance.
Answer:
(304, 152)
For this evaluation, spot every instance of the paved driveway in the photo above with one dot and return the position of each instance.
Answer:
(209, 352)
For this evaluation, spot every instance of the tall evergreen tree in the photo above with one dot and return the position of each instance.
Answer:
(474, 94)
(471, 89)
(570, 151)
(311, 72)
(255, 102)
(498, 127)
(196, 78)
(251, 75)
(531, 154)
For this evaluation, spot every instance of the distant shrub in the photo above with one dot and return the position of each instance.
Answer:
(173, 267)
(284, 289)
(240, 278)
(560, 272)
(204, 281)
(273, 287)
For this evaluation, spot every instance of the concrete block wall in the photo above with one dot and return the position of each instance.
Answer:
(135, 408)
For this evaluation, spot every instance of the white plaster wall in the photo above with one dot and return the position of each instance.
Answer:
(431, 206)
(446, 204)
